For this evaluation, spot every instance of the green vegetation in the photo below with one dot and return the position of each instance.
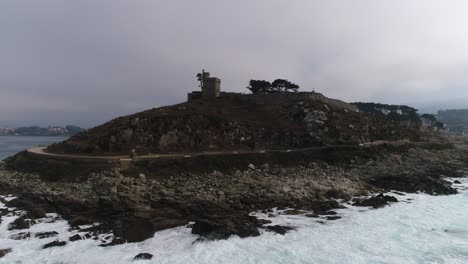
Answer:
(277, 86)
(395, 113)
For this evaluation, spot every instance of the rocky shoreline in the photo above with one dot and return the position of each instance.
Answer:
(134, 204)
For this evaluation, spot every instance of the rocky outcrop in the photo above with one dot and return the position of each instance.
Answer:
(223, 125)
(137, 202)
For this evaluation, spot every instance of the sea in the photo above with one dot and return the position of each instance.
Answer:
(418, 229)
(10, 145)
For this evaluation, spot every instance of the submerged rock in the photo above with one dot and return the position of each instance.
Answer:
(376, 201)
(21, 236)
(21, 223)
(282, 230)
(224, 228)
(55, 243)
(42, 235)
(4, 252)
(143, 256)
(75, 238)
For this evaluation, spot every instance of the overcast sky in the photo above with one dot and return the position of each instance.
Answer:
(84, 62)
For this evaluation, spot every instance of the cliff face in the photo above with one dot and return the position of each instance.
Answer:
(229, 124)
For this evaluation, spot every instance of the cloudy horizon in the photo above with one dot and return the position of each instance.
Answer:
(85, 62)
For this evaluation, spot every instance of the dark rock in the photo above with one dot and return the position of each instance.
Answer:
(5, 251)
(115, 241)
(223, 229)
(312, 215)
(331, 218)
(337, 194)
(293, 212)
(388, 198)
(21, 236)
(279, 229)
(322, 206)
(75, 238)
(21, 223)
(134, 229)
(329, 213)
(143, 256)
(457, 182)
(46, 234)
(414, 183)
(55, 243)
(36, 213)
(376, 201)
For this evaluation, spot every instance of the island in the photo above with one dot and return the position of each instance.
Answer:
(211, 161)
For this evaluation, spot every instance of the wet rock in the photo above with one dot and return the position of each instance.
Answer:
(143, 256)
(115, 241)
(312, 215)
(21, 223)
(414, 183)
(323, 206)
(36, 213)
(4, 252)
(251, 166)
(55, 243)
(21, 236)
(329, 213)
(332, 218)
(75, 238)
(282, 230)
(457, 182)
(293, 212)
(215, 229)
(134, 229)
(376, 201)
(43, 235)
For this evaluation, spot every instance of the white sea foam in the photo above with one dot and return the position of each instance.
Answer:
(421, 229)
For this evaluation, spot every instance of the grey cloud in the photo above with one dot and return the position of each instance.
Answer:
(87, 61)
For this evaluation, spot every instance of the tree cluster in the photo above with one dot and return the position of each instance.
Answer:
(394, 113)
(277, 86)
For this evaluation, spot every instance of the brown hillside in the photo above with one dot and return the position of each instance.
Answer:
(229, 124)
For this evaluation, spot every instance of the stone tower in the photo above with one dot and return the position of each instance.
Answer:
(210, 86)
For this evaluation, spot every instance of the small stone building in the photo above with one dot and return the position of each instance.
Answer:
(210, 87)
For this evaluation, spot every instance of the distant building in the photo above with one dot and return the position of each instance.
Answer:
(210, 87)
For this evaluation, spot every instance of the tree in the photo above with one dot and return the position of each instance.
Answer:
(282, 85)
(439, 125)
(259, 86)
(278, 86)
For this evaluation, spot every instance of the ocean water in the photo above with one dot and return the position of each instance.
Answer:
(10, 145)
(418, 229)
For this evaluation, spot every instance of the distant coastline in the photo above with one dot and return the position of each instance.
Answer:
(52, 131)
